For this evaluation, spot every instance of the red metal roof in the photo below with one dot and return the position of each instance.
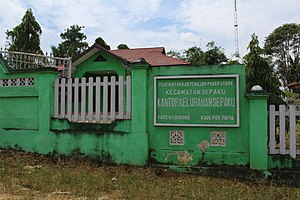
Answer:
(154, 56)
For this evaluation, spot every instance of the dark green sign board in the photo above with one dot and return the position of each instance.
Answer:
(208, 100)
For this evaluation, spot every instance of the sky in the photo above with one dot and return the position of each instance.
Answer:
(173, 24)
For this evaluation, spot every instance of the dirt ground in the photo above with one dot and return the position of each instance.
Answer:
(25, 193)
(32, 176)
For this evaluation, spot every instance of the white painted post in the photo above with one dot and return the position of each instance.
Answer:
(121, 85)
(112, 98)
(292, 131)
(76, 99)
(69, 99)
(56, 99)
(90, 100)
(62, 97)
(82, 110)
(282, 130)
(98, 99)
(105, 98)
(272, 140)
(128, 97)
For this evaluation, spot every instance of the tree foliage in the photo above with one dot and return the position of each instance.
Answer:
(73, 42)
(283, 46)
(260, 72)
(122, 46)
(214, 55)
(102, 43)
(26, 36)
(175, 54)
(196, 56)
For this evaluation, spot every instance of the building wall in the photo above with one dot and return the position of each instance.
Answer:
(89, 66)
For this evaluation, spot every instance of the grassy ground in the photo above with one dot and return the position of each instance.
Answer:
(28, 176)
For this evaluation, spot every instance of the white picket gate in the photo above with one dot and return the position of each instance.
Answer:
(286, 141)
(96, 101)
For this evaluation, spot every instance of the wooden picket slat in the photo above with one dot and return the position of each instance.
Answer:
(292, 131)
(90, 99)
(62, 97)
(69, 99)
(282, 129)
(105, 99)
(98, 99)
(272, 141)
(82, 110)
(121, 97)
(76, 99)
(112, 98)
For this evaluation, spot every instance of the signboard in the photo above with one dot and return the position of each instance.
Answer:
(208, 100)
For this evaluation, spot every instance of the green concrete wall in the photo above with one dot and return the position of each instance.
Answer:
(236, 151)
(280, 162)
(18, 105)
(26, 122)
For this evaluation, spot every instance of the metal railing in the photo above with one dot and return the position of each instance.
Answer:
(23, 61)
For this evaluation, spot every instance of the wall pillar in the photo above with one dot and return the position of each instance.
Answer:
(45, 83)
(258, 131)
(139, 119)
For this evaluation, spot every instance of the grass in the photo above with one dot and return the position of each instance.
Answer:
(30, 176)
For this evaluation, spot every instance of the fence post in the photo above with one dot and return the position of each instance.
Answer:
(46, 79)
(258, 130)
(139, 112)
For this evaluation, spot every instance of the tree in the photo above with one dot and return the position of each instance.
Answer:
(194, 55)
(214, 55)
(26, 36)
(175, 54)
(102, 43)
(260, 72)
(122, 46)
(59, 51)
(73, 42)
(283, 47)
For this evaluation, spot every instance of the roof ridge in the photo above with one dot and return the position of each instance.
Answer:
(142, 48)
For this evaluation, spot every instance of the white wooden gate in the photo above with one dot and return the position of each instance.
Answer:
(99, 100)
(283, 141)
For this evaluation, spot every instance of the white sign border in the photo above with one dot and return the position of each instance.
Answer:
(236, 76)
